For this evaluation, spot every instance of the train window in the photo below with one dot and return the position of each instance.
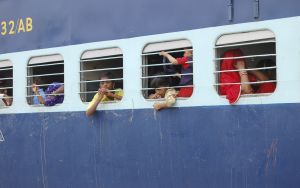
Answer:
(99, 67)
(245, 64)
(45, 80)
(172, 63)
(6, 83)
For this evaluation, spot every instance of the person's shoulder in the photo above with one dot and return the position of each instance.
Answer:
(119, 91)
(182, 60)
(96, 95)
(171, 91)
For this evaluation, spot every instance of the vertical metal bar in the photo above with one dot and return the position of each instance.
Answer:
(230, 10)
(256, 9)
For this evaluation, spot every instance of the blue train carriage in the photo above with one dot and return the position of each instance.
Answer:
(200, 142)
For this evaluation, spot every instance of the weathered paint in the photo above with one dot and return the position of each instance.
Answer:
(224, 147)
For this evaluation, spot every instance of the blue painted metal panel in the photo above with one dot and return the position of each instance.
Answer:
(226, 146)
(63, 22)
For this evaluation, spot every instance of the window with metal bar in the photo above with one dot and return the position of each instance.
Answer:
(45, 80)
(94, 64)
(179, 73)
(246, 59)
(6, 83)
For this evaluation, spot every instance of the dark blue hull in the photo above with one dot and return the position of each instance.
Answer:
(225, 146)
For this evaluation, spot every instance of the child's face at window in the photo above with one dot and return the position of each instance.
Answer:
(106, 84)
(188, 53)
(160, 91)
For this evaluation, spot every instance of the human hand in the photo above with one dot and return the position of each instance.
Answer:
(101, 91)
(9, 101)
(163, 53)
(154, 96)
(240, 64)
(34, 88)
(157, 106)
(111, 95)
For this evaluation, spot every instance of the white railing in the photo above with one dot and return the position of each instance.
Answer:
(161, 64)
(106, 69)
(166, 75)
(170, 51)
(237, 83)
(45, 64)
(245, 43)
(100, 59)
(247, 56)
(250, 69)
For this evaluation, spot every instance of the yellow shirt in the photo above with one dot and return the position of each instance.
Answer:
(118, 92)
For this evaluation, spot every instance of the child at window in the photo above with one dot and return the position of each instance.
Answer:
(5, 99)
(52, 96)
(39, 93)
(186, 69)
(162, 90)
(104, 93)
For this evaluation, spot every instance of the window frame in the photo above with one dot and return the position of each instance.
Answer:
(41, 61)
(154, 48)
(100, 54)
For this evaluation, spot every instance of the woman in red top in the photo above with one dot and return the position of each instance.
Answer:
(233, 91)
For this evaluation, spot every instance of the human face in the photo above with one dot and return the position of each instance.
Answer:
(106, 84)
(188, 53)
(160, 91)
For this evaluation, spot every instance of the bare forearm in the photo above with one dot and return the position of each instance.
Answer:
(172, 59)
(160, 105)
(61, 89)
(92, 109)
(112, 95)
(246, 88)
(41, 100)
(169, 57)
(259, 75)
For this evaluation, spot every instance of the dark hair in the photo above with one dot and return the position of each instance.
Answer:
(271, 73)
(160, 81)
(266, 63)
(108, 75)
(38, 81)
(2, 90)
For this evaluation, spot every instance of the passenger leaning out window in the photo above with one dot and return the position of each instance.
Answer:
(106, 92)
(162, 90)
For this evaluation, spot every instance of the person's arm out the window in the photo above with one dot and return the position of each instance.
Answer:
(94, 103)
(169, 57)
